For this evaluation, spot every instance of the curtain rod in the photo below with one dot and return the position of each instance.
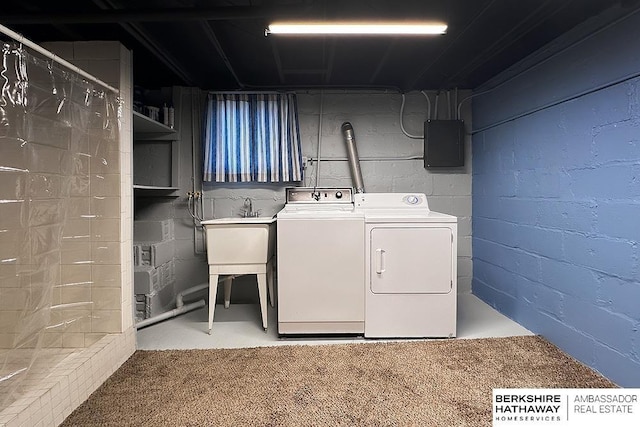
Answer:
(21, 39)
(249, 92)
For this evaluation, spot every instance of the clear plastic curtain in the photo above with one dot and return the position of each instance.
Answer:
(252, 138)
(54, 127)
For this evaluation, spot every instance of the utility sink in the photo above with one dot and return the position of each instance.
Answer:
(240, 240)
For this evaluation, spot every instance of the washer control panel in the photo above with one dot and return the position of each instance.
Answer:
(411, 201)
(319, 195)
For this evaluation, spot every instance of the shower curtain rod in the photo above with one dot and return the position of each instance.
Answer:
(21, 39)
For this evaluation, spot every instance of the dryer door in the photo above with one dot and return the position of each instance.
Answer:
(410, 260)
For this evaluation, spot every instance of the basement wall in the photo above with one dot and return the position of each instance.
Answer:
(375, 119)
(556, 196)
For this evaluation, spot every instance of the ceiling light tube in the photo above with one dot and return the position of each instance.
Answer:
(355, 28)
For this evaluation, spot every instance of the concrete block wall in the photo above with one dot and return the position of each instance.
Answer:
(556, 199)
(190, 266)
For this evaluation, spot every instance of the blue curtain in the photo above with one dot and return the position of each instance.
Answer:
(252, 138)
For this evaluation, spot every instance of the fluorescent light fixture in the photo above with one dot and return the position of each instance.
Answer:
(357, 28)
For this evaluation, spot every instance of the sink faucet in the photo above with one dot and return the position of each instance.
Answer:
(248, 209)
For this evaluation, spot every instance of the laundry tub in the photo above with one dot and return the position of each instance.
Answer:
(239, 246)
(232, 241)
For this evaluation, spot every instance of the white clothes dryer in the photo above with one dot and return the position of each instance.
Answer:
(410, 267)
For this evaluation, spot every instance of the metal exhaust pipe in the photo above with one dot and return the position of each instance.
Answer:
(352, 154)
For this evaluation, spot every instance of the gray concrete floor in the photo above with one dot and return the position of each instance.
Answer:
(240, 326)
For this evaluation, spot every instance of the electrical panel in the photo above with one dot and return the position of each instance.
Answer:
(443, 143)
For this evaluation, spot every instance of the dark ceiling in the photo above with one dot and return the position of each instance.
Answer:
(221, 45)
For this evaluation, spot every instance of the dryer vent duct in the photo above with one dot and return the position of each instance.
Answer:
(352, 154)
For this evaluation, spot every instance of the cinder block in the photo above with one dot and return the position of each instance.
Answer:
(542, 241)
(618, 219)
(567, 215)
(599, 322)
(606, 255)
(570, 279)
(153, 231)
(623, 295)
(611, 181)
(624, 371)
(617, 142)
(452, 184)
(167, 273)
(143, 307)
(146, 280)
(153, 254)
(161, 301)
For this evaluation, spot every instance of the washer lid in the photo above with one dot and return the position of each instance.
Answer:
(322, 210)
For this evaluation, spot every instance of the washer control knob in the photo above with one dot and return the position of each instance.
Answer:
(413, 200)
(338, 194)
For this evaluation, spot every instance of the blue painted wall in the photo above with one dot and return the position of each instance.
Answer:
(556, 199)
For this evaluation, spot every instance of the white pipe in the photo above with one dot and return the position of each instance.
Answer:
(402, 124)
(200, 287)
(21, 39)
(198, 229)
(180, 296)
(455, 103)
(180, 305)
(172, 313)
(428, 104)
(370, 159)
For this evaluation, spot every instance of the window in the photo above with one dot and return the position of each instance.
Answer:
(252, 138)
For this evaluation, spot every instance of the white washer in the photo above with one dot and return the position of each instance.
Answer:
(410, 267)
(320, 263)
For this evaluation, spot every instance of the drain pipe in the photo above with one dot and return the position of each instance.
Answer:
(169, 314)
(352, 154)
(181, 307)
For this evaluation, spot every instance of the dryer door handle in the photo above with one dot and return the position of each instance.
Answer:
(380, 261)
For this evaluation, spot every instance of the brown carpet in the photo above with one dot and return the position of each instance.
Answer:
(426, 383)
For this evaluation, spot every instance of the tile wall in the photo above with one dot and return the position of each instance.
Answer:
(96, 261)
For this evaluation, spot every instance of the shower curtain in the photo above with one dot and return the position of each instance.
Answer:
(252, 138)
(58, 135)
